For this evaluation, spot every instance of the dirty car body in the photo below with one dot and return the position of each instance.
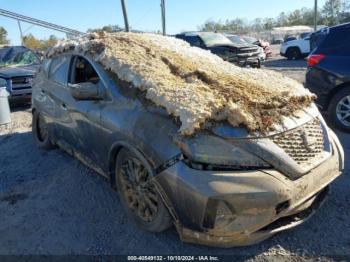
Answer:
(222, 188)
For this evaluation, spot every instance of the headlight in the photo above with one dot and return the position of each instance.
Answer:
(206, 152)
(3, 82)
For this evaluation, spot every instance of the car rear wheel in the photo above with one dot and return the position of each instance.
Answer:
(339, 109)
(293, 53)
(41, 132)
(138, 193)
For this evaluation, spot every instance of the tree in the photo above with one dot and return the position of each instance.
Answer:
(282, 19)
(331, 11)
(3, 36)
(36, 44)
(107, 28)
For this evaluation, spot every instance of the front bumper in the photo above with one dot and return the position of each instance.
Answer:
(20, 96)
(262, 202)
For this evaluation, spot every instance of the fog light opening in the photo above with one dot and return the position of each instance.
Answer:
(282, 206)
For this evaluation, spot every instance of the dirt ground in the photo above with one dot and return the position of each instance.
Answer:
(52, 204)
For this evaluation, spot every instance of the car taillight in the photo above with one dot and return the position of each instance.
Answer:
(315, 59)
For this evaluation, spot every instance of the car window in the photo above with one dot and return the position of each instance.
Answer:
(193, 40)
(337, 37)
(82, 71)
(59, 69)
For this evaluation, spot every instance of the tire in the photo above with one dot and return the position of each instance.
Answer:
(293, 53)
(138, 194)
(40, 132)
(339, 110)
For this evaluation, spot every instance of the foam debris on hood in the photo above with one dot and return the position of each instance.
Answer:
(192, 84)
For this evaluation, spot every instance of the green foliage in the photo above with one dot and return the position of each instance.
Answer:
(3, 36)
(332, 13)
(36, 44)
(107, 28)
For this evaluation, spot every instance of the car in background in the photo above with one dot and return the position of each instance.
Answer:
(277, 40)
(328, 73)
(239, 40)
(240, 54)
(18, 65)
(263, 44)
(296, 49)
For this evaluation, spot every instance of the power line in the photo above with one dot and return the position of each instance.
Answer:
(41, 23)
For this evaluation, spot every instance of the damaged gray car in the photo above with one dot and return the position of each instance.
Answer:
(221, 186)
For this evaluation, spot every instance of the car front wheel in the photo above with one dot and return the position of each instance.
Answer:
(293, 53)
(138, 193)
(339, 110)
(41, 132)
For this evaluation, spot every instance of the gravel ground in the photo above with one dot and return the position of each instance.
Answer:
(52, 204)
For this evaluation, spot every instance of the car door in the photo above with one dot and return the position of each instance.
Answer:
(85, 114)
(58, 93)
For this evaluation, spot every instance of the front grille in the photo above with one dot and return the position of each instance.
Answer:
(23, 82)
(248, 50)
(20, 80)
(304, 144)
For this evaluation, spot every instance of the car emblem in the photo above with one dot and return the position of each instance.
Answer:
(308, 141)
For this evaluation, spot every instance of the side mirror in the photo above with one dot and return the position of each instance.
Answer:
(85, 91)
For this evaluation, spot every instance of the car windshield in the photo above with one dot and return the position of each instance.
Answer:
(13, 57)
(212, 39)
(236, 39)
(250, 40)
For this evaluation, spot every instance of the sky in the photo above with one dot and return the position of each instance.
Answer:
(182, 15)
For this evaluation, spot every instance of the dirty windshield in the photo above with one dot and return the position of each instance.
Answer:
(13, 57)
(236, 39)
(213, 39)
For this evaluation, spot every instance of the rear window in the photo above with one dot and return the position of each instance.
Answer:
(59, 69)
(317, 38)
(193, 40)
(336, 38)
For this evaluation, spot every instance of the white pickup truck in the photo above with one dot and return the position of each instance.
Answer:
(296, 49)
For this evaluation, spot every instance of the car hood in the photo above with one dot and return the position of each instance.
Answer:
(234, 45)
(300, 118)
(9, 72)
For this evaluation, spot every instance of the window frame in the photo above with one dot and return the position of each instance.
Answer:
(49, 75)
(71, 66)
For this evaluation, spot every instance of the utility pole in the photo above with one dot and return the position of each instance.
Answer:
(315, 16)
(125, 16)
(20, 31)
(162, 6)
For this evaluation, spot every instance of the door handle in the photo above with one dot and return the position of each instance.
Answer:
(63, 106)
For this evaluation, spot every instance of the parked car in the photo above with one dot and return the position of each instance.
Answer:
(223, 186)
(296, 49)
(328, 73)
(263, 44)
(238, 53)
(240, 41)
(278, 40)
(18, 65)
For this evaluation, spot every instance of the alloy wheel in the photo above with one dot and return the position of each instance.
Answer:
(139, 192)
(343, 111)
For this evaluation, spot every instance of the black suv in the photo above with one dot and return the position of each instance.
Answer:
(328, 74)
(18, 65)
(240, 54)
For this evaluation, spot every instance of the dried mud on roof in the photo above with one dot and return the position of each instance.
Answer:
(193, 84)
